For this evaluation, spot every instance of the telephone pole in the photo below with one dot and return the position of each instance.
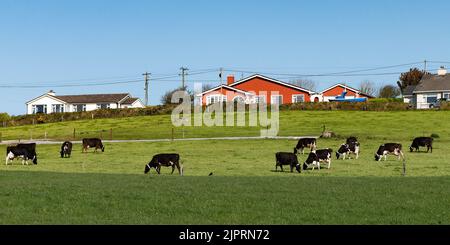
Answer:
(146, 78)
(183, 75)
(221, 75)
(425, 66)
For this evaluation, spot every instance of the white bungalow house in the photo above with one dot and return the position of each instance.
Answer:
(430, 90)
(50, 102)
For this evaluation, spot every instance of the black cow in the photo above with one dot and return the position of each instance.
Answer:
(13, 152)
(66, 149)
(422, 141)
(286, 158)
(389, 148)
(303, 143)
(351, 140)
(164, 159)
(93, 142)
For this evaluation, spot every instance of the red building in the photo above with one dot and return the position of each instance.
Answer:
(254, 89)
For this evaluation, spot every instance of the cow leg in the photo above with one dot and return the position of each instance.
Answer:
(329, 163)
(158, 169)
(281, 166)
(173, 169)
(292, 168)
(6, 160)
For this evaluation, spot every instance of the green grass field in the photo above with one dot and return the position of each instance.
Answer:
(110, 187)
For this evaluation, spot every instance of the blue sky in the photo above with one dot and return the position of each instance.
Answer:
(49, 43)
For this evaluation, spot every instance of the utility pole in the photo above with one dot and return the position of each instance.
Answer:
(146, 78)
(183, 74)
(425, 66)
(221, 75)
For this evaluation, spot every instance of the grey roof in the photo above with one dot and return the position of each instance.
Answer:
(92, 98)
(433, 83)
(409, 90)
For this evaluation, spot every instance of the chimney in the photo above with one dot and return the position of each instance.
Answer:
(51, 92)
(230, 79)
(442, 71)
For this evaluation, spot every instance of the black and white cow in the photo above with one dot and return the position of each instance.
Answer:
(422, 141)
(93, 142)
(164, 159)
(66, 149)
(305, 142)
(316, 157)
(13, 152)
(346, 149)
(389, 148)
(286, 158)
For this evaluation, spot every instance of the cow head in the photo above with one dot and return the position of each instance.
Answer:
(297, 167)
(295, 150)
(377, 157)
(103, 148)
(62, 154)
(147, 168)
(35, 160)
(411, 149)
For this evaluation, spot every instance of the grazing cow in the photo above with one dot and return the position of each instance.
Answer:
(25, 154)
(347, 149)
(312, 160)
(93, 142)
(286, 158)
(66, 149)
(389, 148)
(170, 159)
(422, 141)
(317, 156)
(343, 151)
(303, 143)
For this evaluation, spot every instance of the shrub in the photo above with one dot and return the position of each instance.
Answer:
(435, 136)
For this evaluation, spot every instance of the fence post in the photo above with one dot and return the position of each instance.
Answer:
(45, 135)
(74, 134)
(1, 135)
(101, 134)
(173, 129)
(110, 134)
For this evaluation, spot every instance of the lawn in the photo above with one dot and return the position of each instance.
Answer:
(111, 188)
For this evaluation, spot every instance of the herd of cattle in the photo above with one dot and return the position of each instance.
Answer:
(27, 152)
(351, 146)
(316, 156)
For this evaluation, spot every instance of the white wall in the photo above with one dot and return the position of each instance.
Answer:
(45, 100)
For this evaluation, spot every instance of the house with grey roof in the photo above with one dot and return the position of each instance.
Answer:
(51, 103)
(430, 90)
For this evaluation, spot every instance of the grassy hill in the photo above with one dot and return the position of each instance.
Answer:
(365, 124)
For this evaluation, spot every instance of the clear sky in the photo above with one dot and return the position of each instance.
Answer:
(53, 43)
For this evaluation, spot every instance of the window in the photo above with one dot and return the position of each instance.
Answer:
(296, 98)
(276, 99)
(260, 99)
(215, 98)
(57, 108)
(446, 96)
(103, 106)
(431, 99)
(39, 109)
(79, 107)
